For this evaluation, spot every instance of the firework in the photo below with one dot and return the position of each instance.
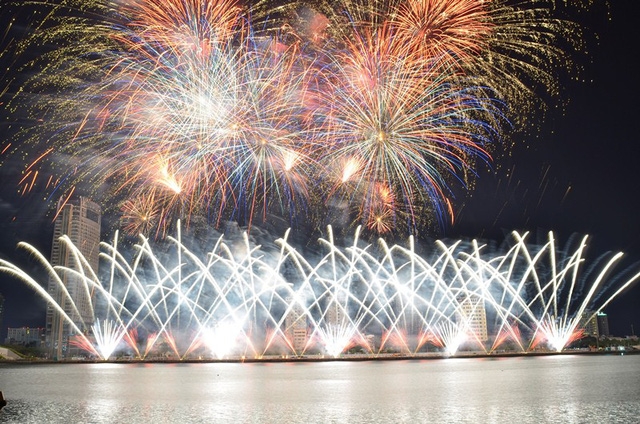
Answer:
(456, 31)
(208, 108)
(243, 299)
(402, 122)
(140, 216)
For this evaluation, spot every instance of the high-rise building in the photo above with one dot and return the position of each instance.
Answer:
(296, 327)
(603, 324)
(336, 316)
(473, 313)
(589, 323)
(79, 219)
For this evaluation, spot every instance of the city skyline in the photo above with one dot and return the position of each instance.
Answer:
(573, 175)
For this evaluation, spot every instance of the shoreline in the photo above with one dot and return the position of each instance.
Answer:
(321, 358)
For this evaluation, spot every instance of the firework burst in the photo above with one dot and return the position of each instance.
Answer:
(209, 108)
(402, 122)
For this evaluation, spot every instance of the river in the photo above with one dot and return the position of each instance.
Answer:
(556, 388)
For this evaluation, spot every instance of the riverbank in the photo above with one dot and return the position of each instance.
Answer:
(321, 358)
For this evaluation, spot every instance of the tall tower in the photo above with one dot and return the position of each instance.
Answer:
(79, 219)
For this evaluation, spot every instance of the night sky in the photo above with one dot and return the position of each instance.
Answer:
(575, 173)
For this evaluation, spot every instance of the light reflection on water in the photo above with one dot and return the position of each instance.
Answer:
(569, 389)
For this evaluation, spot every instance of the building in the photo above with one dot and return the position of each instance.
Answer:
(603, 324)
(336, 316)
(589, 324)
(79, 219)
(472, 312)
(25, 336)
(296, 326)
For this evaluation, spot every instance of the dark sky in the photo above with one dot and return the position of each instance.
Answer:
(576, 174)
(579, 174)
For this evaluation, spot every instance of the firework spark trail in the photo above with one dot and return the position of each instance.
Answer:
(208, 108)
(207, 22)
(238, 299)
(235, 142)
(453, 30)
(402, 122)
(515, 49)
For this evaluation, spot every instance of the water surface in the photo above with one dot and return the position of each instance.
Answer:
(559, 389)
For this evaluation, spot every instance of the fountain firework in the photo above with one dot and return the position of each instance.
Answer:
(244, 300)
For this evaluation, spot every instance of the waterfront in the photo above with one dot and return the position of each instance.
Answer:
(563, 388)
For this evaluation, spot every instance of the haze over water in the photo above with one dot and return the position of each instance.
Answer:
(560, 389)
